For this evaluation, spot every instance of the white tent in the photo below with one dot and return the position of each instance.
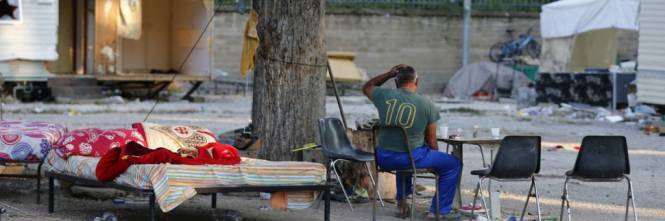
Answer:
(568, 17)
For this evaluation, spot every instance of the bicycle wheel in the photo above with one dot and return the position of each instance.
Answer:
(496, 54)
(533, 49)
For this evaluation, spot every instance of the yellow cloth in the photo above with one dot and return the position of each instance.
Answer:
(249, 44)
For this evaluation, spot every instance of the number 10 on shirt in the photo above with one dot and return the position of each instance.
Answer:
(404, 116)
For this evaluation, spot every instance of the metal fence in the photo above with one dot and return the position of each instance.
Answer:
(428, 5)
(509, 5)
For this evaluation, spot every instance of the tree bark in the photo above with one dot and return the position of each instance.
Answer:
(289, 77)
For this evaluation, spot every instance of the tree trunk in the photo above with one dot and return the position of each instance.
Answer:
(289, 77)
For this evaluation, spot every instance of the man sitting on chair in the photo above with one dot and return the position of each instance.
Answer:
(418, 116)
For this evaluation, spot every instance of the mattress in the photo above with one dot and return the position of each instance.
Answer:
(174, 184)
(21, 140)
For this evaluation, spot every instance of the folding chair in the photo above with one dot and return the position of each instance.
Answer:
(518, 159)
(336, 146)
(600, 159)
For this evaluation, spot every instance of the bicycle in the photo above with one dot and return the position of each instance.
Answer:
(526, 43)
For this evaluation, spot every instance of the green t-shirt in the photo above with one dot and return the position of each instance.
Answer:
(410, 110)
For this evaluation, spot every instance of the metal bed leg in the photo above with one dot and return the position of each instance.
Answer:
(51, 190)
(326, 195)
(214, 200)
(151, 208)
(39, 181)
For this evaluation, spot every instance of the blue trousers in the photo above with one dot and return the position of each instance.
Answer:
(447, 166)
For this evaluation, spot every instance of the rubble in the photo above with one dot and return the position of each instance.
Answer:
(641, 114)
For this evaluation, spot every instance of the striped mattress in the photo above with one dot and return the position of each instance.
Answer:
(174, 184)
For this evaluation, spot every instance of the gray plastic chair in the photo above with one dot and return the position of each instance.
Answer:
(336, 146)
(600, 159)
(518, 159)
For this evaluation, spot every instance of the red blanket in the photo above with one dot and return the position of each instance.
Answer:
(117, 160)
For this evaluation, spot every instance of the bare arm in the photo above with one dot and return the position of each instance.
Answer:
(430, 136)
(380, 80)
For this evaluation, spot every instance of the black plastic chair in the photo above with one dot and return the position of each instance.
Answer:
(413, 171)
(518, 159)
(336, 146)
(601, 159)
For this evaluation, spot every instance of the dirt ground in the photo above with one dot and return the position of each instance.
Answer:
(590, 201)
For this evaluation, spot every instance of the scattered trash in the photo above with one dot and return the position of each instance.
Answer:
(111, 100)
(73, 112)
(614, 118)
(651, 129)
(644, 109)
(38, 109)
(470, 206)
(107, 216)
(555, 148)
(130, 201)
(644, 116)
(264, 196)
(526, 96)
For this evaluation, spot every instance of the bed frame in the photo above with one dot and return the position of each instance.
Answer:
(38, 176)
(210, 190)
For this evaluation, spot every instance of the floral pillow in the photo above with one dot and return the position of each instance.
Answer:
(95, 142)
(174, 137)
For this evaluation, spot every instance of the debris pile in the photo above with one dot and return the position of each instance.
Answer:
(644, 116)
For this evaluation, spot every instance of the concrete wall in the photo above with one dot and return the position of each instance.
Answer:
(431, 44)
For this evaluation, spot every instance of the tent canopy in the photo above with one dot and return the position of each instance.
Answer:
(569, 17)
